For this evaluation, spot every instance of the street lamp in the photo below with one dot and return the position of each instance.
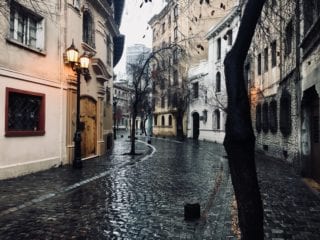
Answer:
(80, 66)
(115, 101)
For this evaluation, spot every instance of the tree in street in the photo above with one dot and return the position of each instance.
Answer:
(144, 72)
(240, 140)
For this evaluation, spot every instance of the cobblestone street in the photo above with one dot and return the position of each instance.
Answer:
(122, 197)
(117, 197)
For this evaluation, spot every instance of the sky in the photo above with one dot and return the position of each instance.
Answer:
(134, 25)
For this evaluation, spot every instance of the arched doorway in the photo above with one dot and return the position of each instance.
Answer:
(195, 125)
(88, 116)
(310, 133)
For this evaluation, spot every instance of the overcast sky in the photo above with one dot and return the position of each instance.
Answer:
(134, 25)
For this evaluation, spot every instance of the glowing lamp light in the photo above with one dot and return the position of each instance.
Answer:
(72, 54)
(84, 61)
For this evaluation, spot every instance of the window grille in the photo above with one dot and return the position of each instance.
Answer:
(24, 113)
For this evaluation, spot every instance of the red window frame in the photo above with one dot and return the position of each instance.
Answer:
(41, 125)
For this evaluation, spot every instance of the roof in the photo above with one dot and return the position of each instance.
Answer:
(216, 29)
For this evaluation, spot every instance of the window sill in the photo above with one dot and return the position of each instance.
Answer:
(35, 50)
(24, 133)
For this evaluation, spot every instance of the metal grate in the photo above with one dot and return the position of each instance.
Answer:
(24, 112)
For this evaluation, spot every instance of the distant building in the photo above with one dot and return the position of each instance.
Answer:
(135, 52)
(122, 93)
(184, 23)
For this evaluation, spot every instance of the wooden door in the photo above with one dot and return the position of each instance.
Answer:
(88, 115)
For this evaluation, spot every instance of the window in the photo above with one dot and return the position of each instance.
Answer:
(204, 116)
(163, 27)
(155, 117)
(195, 88)
(205, 96)
(266, 59)
(218, 48)
(175, 56)
(259, 64)
(285, 113)
(169, 20)
(288, 38)
(109, 51)
(273, 116)
(88, 29)
(25, 113)
(154, 34)
(170, 120)
(162, 102)
(26, 28)
(258, 118)
(229, 36)
(217, 119)
(175, 77)
(169, 41)
(175, 34)
(265, 117)
(175, 12)
(218, 82)
(162, 121)
(274, 53)
(175, 100)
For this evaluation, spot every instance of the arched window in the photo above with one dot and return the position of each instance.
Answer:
(273, 116)
(88, 29)
(216, 122)
(218, 82)
(285, 113)
(155, 119)
(170, 120)
(258, 118)
(265, 117)
(162, 121)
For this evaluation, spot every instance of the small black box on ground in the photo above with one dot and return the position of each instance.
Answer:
(191, 211)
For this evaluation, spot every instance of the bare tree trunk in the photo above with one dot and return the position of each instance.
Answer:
(133, 131)
(239, 141)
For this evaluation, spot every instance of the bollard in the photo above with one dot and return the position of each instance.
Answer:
(191, 211)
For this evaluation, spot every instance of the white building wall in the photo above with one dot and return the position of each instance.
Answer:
(216, 101)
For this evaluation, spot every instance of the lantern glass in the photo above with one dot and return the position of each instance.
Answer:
(72, 54)
(84, 61)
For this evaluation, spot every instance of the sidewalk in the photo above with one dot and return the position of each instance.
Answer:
(20, 192)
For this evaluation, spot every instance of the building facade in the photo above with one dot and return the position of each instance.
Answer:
(133, 53)
(122, 94)
(208, 103)
(38, 86)
(310, 89)
(184, 24)
(284, 85)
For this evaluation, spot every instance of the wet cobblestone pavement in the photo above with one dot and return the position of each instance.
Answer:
(122, 197)
(291, 210)
(117, 197)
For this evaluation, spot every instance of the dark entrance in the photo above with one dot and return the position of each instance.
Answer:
(195, 127)
(310, 133)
